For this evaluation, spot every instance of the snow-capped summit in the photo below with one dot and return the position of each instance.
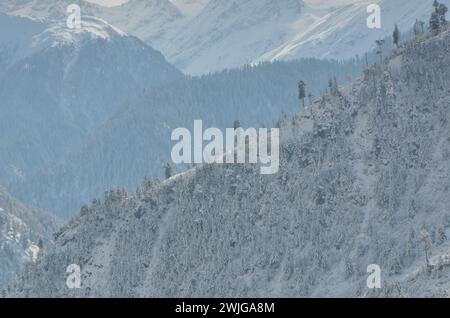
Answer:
(91, 28)
(150, 20)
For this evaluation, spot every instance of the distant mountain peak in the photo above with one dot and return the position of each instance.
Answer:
(91, 28)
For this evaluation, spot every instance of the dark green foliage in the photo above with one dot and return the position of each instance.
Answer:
(302, 91)
(396, 36)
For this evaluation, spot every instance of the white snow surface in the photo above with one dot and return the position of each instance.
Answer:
(202, 36)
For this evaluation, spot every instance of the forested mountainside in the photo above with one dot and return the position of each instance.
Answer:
(364, 179)
(135, 141)
(24, 234)
(62, 85)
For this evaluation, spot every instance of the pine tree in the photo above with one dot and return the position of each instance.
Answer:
(437, 20)
(302, 92)
(380, 44)
(442, 11)
(168, 170)
(434, 23)
(396, 36)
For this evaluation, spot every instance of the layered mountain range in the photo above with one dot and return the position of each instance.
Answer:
(206, 36)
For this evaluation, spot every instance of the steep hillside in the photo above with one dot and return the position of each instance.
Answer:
(342, 32)
(362, 173)
(135, 142)
(24, 233)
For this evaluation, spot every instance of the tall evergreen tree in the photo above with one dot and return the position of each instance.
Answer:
(442, 11)
(396, 36)
(434, 23)
(437, 19)
(302, 92)
(380, 44)
(168, 170)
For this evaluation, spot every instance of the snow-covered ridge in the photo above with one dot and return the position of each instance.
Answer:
(343, 33)
(92, 28)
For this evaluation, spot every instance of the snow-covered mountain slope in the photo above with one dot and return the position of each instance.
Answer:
(362, 173)
(24, 232)
(136, 140)
(343, 33)
(67, 87)
(232, 33)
